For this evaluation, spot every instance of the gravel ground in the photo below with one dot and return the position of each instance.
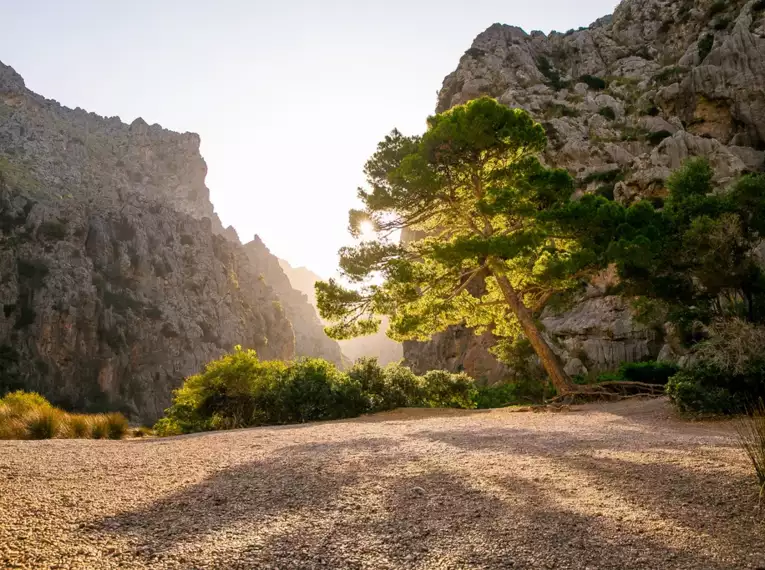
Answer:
(602, 486)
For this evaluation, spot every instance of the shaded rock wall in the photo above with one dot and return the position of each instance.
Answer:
(310, 339)
(117, 279)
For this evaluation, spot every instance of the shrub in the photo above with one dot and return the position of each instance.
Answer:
(669, 74)
(44, 422)
(606, 191)
(11, 426)
(716, 8)
(751, 435)
(729, 374)
(52, 229)
(608, 113)
(606, 177)
(141, 431)
(707, 389)
(647, 372)
(20, 402)
(705, 46)
(551, 74)
(593, 82)
(388, 388)
(313, 389)
(77, 426)
(116, 425)
(657, 137)
(446, 390)
(239, 390)
(99, 426)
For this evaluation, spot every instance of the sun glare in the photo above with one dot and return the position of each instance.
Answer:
(367, 230)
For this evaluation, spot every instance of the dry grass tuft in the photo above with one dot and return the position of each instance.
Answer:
(751, 435)
(27, 415)
(734, 344)
(43, 423)
(116, 425)
(99, 426)
(77, 426)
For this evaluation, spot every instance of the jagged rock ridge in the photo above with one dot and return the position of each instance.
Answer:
(624, 103)
(117, 278)
(310, 339)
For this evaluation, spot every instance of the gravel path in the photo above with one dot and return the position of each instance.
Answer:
(617, 486)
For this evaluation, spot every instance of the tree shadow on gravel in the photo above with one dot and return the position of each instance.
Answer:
(382, 503)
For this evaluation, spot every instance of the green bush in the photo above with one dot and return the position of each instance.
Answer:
(551, 74)
(717, 7)
(388, 388)
(647, 372)
(20, 402)
(497, 396)
(705, 46)
(240, 391)
(52, 229)
(608, 113)
(446, 390)
(313, 389)
(593, 82)
(707, 389)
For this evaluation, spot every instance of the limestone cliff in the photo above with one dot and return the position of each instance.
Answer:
(310, 339)
(117, 279)
(376, 345)
(624, 102)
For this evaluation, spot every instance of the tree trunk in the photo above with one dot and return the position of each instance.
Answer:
(550, 362)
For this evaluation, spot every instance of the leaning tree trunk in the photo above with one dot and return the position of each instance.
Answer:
(550, 362)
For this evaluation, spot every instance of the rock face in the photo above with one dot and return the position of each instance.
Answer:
(117, 278)
(377, 345)
(624, 103)
(310, 339)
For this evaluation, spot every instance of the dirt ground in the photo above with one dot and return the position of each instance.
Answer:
(615, 486)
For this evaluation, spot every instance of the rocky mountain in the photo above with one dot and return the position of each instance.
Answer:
(117, 278)
(310, 339)
(377, 345)
(624, 103)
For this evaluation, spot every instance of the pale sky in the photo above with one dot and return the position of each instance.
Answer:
(290, 98)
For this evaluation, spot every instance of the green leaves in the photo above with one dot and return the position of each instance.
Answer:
(470, 189)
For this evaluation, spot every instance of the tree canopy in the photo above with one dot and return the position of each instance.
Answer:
(469, 195)
(697, 255)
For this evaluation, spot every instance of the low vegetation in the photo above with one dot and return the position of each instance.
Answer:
(27, 415)
(751, 433)
(239, 390)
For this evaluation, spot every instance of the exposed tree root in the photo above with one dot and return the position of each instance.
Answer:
(610, 391)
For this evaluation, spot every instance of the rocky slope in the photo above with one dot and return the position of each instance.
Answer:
(117, 279)
(310, 339)
(624, 102)
(377, 345)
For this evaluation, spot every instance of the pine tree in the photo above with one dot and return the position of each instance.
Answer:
(470, 194)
